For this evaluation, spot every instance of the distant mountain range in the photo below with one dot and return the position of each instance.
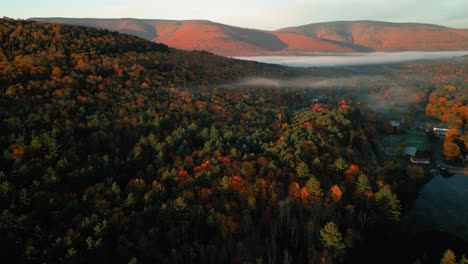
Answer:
(341, 36)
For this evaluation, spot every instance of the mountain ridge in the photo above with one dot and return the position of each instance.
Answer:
(335, 36)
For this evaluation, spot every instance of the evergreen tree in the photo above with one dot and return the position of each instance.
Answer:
(332, 239)
(340, 164)
(313, 187)
(448, 257)
(388, 204)
(362, 184)
(302, 170)
(463, 260)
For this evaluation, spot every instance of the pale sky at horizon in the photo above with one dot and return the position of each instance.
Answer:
(261, 14)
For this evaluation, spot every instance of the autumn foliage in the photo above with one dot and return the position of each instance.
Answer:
(116, 149)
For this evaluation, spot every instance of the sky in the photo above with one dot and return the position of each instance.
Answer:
(261, 14)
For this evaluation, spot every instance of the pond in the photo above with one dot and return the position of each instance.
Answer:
(442, 206)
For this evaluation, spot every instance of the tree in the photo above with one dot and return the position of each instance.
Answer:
(348, 238)
(463, 260)
(316, 163)
(294, 190)
(451, 150)
(130, 201)
(415, 172)
(335, 193)
(340, 164)
(388, 204)
(352, 172)
(313, 187)
(302, 170)
(448, 257)
(331, 239)
(362, 184)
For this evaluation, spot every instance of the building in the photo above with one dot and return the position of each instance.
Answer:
(410, 151)
(417, 156)
(395, 124)
(421, 157)
(439, 131)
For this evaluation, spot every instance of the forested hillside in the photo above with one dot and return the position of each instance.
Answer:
(337, 36)
(120, 150)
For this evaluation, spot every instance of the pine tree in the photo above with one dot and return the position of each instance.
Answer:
(388, 204)
(463, 260)
(362, 184)
(448, 257)
(340, 164)
(302, 170)
(313, 187)
(332, 239)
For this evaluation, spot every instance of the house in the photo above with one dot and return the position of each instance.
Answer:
(417, 156)
(439, 131)
(322, 98)
(410, 151)
(395, 124)
(421, 157)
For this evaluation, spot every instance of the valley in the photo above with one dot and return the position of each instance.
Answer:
(117, 149)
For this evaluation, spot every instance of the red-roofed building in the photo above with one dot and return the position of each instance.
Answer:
(421, 157)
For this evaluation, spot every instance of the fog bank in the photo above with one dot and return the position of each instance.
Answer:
(387, 96)
(353, 59)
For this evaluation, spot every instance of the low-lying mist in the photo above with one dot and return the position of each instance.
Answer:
(353, 59)
(381, 93)
(386, 90)
(356, 82)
